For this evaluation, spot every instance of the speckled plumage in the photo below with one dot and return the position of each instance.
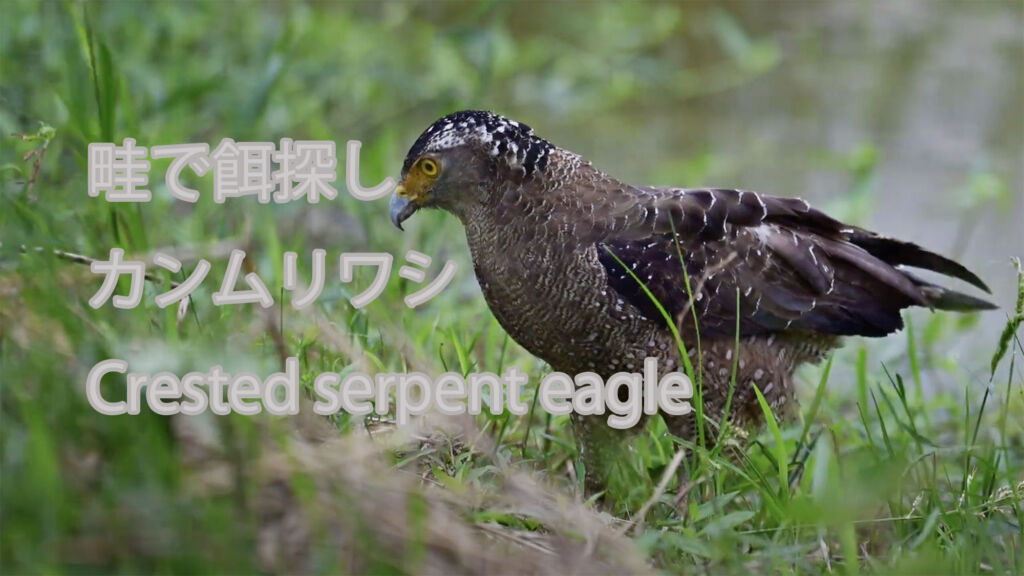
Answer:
(552, 239)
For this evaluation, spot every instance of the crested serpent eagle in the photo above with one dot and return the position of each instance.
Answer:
(587, 272)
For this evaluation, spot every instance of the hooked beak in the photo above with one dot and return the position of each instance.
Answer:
(401, 208)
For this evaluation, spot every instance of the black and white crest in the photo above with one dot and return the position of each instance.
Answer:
(500, 136)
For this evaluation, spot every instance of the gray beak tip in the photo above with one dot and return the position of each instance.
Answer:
(400, 209)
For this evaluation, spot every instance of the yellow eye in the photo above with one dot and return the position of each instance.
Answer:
(429, 167)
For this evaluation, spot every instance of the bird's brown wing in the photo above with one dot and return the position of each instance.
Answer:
(785, 264)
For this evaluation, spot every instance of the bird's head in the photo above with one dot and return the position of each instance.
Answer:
(461, 159)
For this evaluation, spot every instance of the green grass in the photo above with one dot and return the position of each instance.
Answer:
(904, 461)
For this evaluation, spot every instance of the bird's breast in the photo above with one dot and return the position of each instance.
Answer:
(552, 297)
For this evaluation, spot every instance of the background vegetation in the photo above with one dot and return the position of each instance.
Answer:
(905, 116)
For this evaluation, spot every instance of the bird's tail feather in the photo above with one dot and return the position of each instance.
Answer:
(896, 252)
(941, 298)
